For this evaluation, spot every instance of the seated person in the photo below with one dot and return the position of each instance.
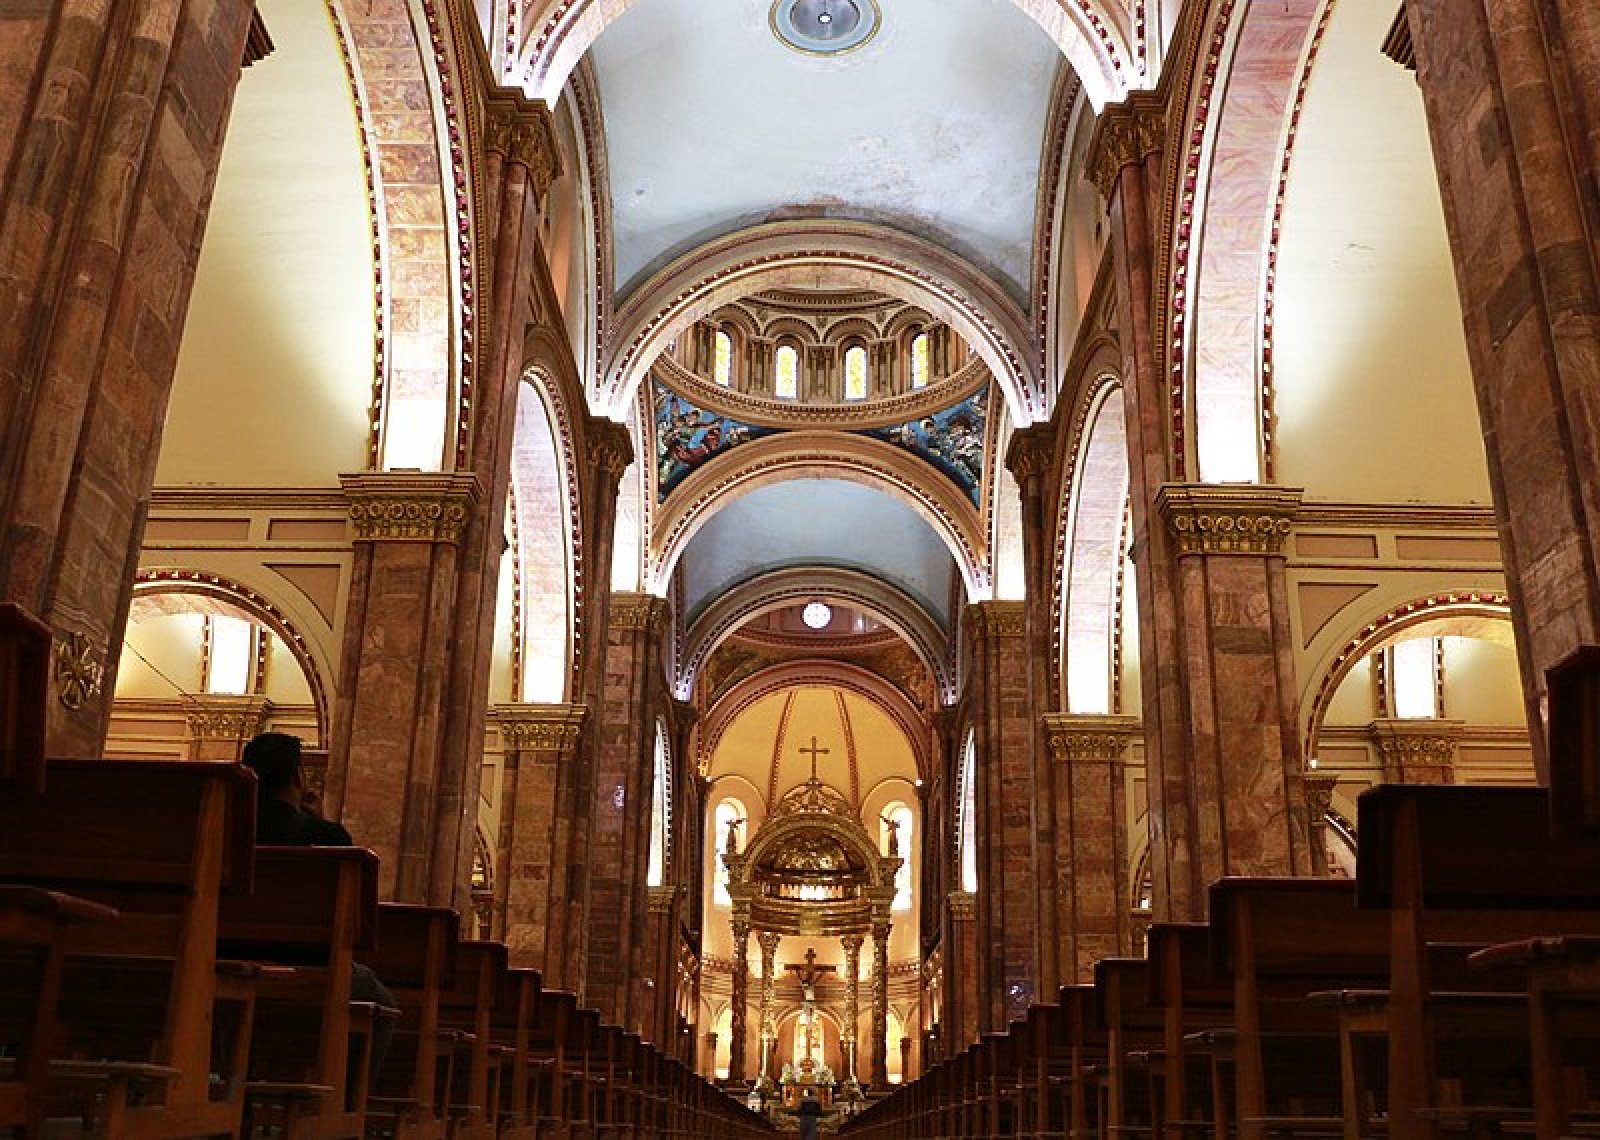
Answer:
(284, 819)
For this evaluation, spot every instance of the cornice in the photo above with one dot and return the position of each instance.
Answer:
(1125, 133)
(330, 499)
(1420, 516)
(539, 727)
(410, 506)
(1225, 518)
(1077, 737)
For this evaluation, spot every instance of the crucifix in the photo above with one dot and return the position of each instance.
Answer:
(808, 975)
(815, 752)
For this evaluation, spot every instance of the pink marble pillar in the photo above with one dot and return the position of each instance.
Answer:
(539, 741)
(111, 128)
(1512, 93)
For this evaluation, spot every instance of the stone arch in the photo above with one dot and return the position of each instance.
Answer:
(1236, 152)
(820, 454)
(543, 499)
(255, 606)
(406, 84)
(808, 252)
(1093, 35)
(1467, 606)
(834, 584)
(1091, 529)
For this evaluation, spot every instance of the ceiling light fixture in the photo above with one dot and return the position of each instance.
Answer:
(825, 27)
(817, 615)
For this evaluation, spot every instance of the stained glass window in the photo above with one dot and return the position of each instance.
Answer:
(722, 359)
(919, 361)
(855, 373)
(786, 374)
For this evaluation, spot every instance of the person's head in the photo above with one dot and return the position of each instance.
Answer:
(275, 759)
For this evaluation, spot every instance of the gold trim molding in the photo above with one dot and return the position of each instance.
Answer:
(539, 728)
(1221, 518)
(410, 506)
(1079, 737)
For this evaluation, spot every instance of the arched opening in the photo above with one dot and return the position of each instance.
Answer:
(967, 815)
(540, 500)
(1093, 574)
(660, 810)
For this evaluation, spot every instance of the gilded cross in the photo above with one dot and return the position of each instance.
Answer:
(815, 752)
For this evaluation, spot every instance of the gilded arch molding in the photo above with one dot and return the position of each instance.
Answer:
(823, 252)
(787, 587)
(816, 454)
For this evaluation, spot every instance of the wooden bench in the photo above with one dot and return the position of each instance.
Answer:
(161, 843)
(311, 909)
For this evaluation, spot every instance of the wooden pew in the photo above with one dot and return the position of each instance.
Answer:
(414, 956)
(33, 925)
(1133, 1025)
(311, 910)
(1194, 997)
(466, 1004)
(161, 843)
(1469, 867)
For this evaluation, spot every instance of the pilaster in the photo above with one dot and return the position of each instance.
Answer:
(392, 784)
(1091, 888)
(539, 741)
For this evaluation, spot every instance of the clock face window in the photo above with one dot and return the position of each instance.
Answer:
(817, 615)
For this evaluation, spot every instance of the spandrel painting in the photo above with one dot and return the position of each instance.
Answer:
(687, 436)
(951, 440)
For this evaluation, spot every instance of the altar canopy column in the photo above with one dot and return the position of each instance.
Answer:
(1088, 753)
(1512, 94)
(768, 942)
(111, 125)
(389, 735)
(880, 1005)
(539, 740)
(851, 944)
(1219, 699)
(741, 999)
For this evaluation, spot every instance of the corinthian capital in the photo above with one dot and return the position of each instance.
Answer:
(1228, 518)
(1124, 134)
(410, 506)
(523, 131)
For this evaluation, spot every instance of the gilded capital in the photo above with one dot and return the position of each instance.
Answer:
(661, 899)
(1319, 788)
(638, 611)
(608, 446)
(410, 506)
(963, 905)
(1083, 738)
(1420, 750)
(1031, 451)
(539, 728)
(1124, 134)
(1228, 518)
(227, 718)
(997, 619)
(523, 131)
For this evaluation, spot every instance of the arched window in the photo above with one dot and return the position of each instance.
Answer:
(855, 373)
(786, 373)
(660, 811)
(921, 361)
(722, 358)
(966, 815)
(900, 816)
(1414, 668)
(230, 654)
(727, 811)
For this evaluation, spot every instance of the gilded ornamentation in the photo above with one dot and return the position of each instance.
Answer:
(78, 670)
(638, 611)
(524, 132)
(608, 446)
(661, 899)
(1080, 738)
(539, 728)
(1319, 794)
(1124, 134)
(1417, 751)
(1211, 518)
(1031, 451)
(403, 506)
(963, 905)
(241, 720)
(997, 619)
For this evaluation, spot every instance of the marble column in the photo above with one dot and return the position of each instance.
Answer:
(851, 944)
(768, 941)
(1512, 94)
(962, 1012)
(741, 999)
(389, 734)
(1319, 801)
(1007, 842)
(1092, 849)
(880, 1005)
(1417, 751)
(658, 1017)
(220, 726)
(619, 821)
(539, 740)
(111, 129)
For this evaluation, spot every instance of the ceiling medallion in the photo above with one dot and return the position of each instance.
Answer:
(817, 615)
(825, 27)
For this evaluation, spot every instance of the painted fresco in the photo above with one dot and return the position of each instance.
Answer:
(688, 436)
(951, 440)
